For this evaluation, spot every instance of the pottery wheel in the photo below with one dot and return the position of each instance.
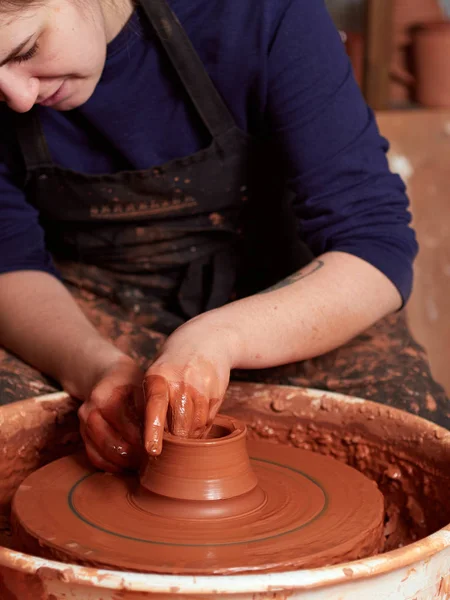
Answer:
(314, 511)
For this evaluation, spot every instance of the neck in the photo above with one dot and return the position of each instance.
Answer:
(116, 13)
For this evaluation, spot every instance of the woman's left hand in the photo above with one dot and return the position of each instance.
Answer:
(185, 385)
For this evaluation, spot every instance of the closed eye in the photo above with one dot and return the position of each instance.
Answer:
(27, 56)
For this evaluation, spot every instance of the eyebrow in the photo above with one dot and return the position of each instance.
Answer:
(15, 52)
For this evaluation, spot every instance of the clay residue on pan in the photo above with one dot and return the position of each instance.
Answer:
(32, 434)
(401, 453)
(408, 458)
(19, 380)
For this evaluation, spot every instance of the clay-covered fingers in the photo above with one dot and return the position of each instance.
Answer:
(178, 407)
(124, 412)
(200, 421)
(188, 412)
(110, 443)
(110, 425)
(95, 457)
(92, 452)
(106, 448)
(156, 391)
(120, 404)
(214, 406)
(98, 461)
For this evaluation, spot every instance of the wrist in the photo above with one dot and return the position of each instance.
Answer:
(222, 332)
(87, 366)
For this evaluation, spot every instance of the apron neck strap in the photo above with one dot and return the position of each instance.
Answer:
(189, 67)
(187, 64)
(31, 139)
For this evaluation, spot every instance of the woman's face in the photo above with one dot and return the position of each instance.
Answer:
(53, 53)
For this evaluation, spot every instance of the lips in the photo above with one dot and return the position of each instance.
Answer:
(51, 98)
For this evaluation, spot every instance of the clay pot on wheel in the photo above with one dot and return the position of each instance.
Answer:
(431, 53)
(205, 506)
(366, 435)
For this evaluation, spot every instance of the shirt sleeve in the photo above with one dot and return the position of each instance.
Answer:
(346, 198)
(22, 245)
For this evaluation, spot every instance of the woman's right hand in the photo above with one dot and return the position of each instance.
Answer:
(110, 417)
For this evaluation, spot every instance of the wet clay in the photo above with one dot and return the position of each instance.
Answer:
(204, 507)
(186, 411)
(406, 456)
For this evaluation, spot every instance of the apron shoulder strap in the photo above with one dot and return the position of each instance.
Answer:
(31, 139)
(189, 67)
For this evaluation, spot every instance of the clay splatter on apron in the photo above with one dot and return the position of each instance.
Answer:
(144, 251)
(384, 364)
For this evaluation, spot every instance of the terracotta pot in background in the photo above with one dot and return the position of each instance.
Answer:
(407, 15)
(354, 44)
(432, 64)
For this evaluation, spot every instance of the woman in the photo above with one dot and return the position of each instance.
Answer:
(157, 172)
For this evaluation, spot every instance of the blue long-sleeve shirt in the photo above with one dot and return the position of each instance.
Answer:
(281, 68)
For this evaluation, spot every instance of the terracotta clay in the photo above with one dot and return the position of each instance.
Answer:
(179, 484)
(395, 449)
(205, 509)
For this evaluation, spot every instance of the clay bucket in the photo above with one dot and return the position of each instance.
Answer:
(431, 54)
(386, 444)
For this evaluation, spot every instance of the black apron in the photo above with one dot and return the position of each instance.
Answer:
(156, 247)
(180, 238)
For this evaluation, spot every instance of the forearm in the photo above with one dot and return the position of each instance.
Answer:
(323, 306)
(41, 323)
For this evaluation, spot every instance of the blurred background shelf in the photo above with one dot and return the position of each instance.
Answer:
(391, 60)
(401, 60)
(420, 154)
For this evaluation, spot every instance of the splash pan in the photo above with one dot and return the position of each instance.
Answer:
(408, 457)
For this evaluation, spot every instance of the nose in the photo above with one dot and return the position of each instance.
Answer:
(18, 90)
